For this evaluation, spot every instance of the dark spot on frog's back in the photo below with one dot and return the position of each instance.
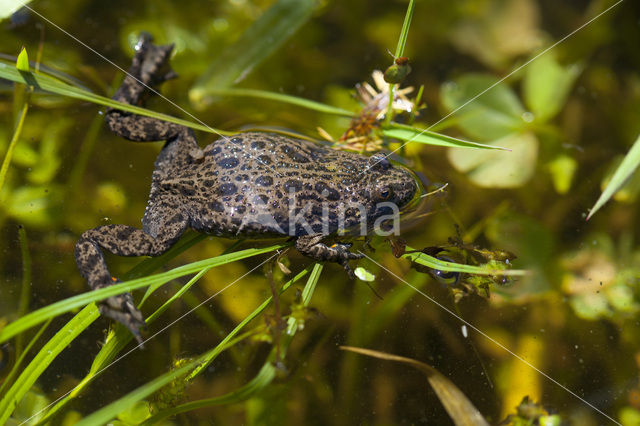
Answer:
(293, 154)
(264, 159)
(236, 140)
(228, 189)
(187, 191)
(264, 181)
(216, 206)
(259, 145)
(261, 200)
(292, 185)
(228, 162)
(326, 191)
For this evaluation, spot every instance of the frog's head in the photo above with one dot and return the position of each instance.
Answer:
(388, 183)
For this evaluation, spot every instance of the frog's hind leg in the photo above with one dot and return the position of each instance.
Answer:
(312, 246)
(122, 240)
(149, 68)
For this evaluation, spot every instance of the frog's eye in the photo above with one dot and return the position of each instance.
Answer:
(384, 193)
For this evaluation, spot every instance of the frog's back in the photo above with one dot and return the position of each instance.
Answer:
(246, 185)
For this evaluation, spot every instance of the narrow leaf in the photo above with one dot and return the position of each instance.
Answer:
(52, 85)
(71, 303)
(625, 169)
(404, 33)
(44, 357)
(257, 43)
(279, 97)
(441, 265)
(411, 134)
(460, 409)
(12, 145)
(110, 411)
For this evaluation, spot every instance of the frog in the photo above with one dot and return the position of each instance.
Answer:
(250, 185)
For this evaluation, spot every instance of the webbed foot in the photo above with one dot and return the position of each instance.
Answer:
(122, 309)
(311, 246)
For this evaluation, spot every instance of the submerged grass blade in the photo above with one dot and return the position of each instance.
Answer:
(119, 336)
(258, 42)
(16, 366)
(25, 290)
(441, 265)
(208, 358)
(110, 411)
(629, 164)
(268, 371)
(279, 97)
(460, 409)
(264, 377)
(14, 140)
(412, 134)
(71, 303)
(52, 85)
(44, 357)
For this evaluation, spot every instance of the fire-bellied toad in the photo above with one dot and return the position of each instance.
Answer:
(250, 185)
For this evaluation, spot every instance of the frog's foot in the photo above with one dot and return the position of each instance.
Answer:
(122, 309)
(311, 246)
(150, 64)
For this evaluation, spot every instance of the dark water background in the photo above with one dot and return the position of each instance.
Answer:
(575, 317)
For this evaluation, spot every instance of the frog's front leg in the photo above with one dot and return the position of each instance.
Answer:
(312, 246)
(122, 240)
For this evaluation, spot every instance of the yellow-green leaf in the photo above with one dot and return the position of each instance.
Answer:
(22, 63)
(622, 173)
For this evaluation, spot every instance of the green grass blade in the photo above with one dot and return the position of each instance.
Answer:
(112, 347)
(14, 140)
(177, 295)
(441, 265)
(412, 134)
(16, 366)
(402, 42)
(257, 43)
(264, 377)
(71, 303)
(52, 85)
(279, 97)
(625, 169)
(119, 336)
(25, 288)
(110, 411)
(44, 357)
(151, 264)
(404, 33)
(209, 357)
(268, 371)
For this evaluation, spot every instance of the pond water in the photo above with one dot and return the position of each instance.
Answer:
(557, 85)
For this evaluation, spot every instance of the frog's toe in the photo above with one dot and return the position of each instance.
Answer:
(122, 309)
(343, 252)
(344, 256)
